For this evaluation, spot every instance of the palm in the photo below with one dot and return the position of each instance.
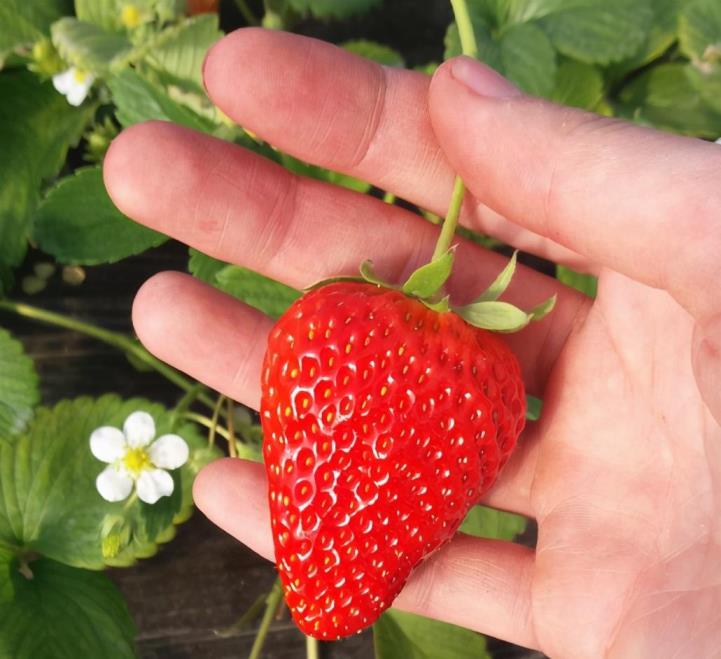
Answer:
(622, 472)
(624, 492)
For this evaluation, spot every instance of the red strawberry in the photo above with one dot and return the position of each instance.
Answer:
(384, 423)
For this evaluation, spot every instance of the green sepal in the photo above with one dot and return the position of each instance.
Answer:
(442, 306)
(503, 316)
(369, 275)
(500, 284)
(334, 280)
(428, 279)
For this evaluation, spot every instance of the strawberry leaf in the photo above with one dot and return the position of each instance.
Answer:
(429, 278)
(18, 387)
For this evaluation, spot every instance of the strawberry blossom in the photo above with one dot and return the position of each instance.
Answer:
(74, 84)
(134, 459)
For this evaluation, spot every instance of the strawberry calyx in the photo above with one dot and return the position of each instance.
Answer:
(426, 284)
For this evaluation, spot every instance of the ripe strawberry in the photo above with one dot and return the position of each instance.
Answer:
(384, 422)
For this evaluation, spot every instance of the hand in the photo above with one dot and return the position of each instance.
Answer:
(623, 473)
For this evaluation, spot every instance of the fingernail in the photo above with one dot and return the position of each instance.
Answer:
(482, 79)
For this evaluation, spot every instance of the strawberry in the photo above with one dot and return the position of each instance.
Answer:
(385, 419)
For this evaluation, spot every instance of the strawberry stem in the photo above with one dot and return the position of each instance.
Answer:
(469, 48)
(451, 221)
(275, 597)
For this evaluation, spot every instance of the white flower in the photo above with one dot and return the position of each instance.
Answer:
(133, 460)
(74, 84)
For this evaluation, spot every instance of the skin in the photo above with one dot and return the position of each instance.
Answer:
(623, 472)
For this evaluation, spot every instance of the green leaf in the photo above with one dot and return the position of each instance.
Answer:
(78, 223)
(62, 613)
(105, 13)
(179, 56)
(332, 8)
(429, 278)
(534, 406)
(700, 31)
(706, 80)
(399, 635)
(587, 284)
(374, 51)
(500, 283)
(595, 31)
(484, 522)
(265, 294)
(204, 267)
(24, 21)
(578, 85)
(48, 500)
(19, 392)
(528, 59)
(666, 98)
(37, 126)
(138, 100)
(88, 46)
(661, 36)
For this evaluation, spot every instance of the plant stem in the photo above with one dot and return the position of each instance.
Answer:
(232, 449)
(214, 420)
(465, 28)
(451, 221)
(275, 597)
(247, 13)
(312, 650)
(185, 402)
(208, 423)
(469, 48)
(115, 339)
(389, 198)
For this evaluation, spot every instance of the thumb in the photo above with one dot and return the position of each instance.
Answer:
(707, 363)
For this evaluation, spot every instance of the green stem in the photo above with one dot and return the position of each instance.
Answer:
(389, 198)
(214, 420)
(469, 48)
(465, 28)
(232, 449)
(247, 13)
(312, 650)
(115, 339)
(275, 597)
(208, 423)
(451, 221)
(245, 620)
(185, 402)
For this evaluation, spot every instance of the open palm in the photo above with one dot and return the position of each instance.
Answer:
(623, 473)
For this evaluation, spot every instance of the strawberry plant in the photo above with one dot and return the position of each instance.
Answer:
(387, 410)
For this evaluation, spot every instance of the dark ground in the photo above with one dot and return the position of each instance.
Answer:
(203, 580)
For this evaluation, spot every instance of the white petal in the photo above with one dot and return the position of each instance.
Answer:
(108, 444)
(169, 452)
(114, 485)
(64, 81)
(718, 141)
(77, 94)
(153, 484)
(139, 429)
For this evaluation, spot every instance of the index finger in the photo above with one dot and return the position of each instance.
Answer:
(638, 201)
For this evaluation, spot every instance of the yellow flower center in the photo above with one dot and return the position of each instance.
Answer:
(79, 75)
(136, 460)
(130, 16)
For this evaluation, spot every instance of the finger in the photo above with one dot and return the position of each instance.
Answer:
(479, 584)
(641, 202)
(239, 210)
(203, 333)
(329, 107)
(221, 342)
